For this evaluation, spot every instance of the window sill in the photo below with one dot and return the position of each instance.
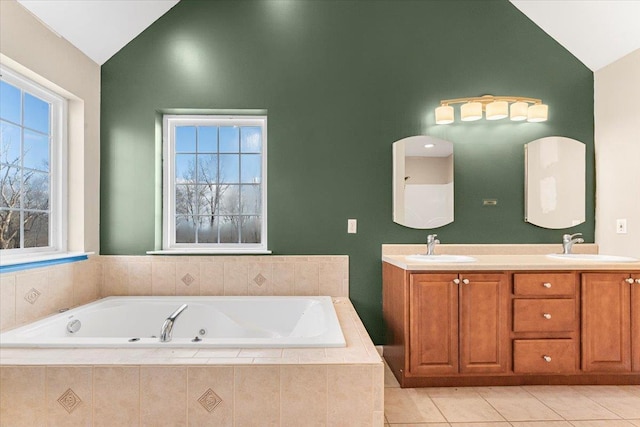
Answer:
(28, 262)
(210, 252)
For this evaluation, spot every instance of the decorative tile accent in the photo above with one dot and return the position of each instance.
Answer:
(32, 296)
(187, 279)
(209, 400)
(259, 279)
(69, 400)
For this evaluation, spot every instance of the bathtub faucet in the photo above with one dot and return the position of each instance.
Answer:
(167, 326)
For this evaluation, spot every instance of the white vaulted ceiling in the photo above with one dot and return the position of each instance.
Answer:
(99, 28)
(597, 32)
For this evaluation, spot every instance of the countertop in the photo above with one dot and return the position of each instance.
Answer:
(502, 258)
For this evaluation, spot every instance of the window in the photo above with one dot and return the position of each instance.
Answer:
(215, 183)
(32, 149)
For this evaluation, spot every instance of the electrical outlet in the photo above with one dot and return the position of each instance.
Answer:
(352, 226)
(621, 226)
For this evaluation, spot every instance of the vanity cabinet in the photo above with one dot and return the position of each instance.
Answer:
(546, 323)
(457, 323)
(511, 327)
(611, 322)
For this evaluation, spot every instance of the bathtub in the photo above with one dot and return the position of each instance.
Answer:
(207, 322)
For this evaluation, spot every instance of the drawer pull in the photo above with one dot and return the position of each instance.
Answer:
(546, 285)
(547, 358)
(629, 280)
(547, 316)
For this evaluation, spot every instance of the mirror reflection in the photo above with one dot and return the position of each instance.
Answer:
(422, 182)
(555, 182)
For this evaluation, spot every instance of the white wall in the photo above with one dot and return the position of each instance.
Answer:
(617, 148)
(32, 49)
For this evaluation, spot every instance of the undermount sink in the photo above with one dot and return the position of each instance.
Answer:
(440, 258)
(592, 257)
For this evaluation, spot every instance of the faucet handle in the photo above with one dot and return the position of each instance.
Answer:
(569, 237)
(432, 238)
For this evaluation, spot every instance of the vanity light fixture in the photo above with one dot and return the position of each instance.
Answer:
(517, 108)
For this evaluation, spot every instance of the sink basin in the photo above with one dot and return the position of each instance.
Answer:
(440, 258)
(592, 257)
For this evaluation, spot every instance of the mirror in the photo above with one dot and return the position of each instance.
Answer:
(422, 182)
(555, 182)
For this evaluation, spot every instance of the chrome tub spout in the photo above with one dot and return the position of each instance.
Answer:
(167, 326)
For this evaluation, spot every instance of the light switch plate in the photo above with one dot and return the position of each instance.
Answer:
(352, 226)
(621, 226)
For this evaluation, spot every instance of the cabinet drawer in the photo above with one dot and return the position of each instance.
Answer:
(544, 315)
(544, 356)
(542, 284)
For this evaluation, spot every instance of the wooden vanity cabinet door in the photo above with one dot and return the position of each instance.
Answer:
(433, 324)
(484, 323)
(606, 322)
(635, 324)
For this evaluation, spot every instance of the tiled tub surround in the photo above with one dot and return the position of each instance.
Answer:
(33, 294)
(291, 386)
(288, 387)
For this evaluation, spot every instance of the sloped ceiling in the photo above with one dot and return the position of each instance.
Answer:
(99, 28)
(597, 32)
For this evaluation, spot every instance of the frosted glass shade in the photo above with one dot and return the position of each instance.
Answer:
(497, 110)
(538, 113)
(444, 115)
(519, 111)
(471, 111)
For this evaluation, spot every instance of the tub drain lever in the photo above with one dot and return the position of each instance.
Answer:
(167, 326)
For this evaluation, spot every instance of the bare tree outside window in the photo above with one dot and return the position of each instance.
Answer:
(24, 170)
(217, 179)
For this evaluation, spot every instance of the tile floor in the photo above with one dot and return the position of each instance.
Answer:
(524, 406)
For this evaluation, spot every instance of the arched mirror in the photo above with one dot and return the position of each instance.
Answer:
(555, 182)
(422, 182)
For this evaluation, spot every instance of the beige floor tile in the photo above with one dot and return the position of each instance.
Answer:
(570, 404)
(601, 423)
(490, 424)
(516, 404)
(541, 424)
(466, 409)
(410, 406)
(618, 400)
(635, 422)
(420, 425)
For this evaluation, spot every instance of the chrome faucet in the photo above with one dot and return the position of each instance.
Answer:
(431, 243)
(568, 240)
(167, 326)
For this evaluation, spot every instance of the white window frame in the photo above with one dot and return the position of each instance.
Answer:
(57, 171)
(170, 122)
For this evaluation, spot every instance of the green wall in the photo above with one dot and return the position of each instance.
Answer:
(341, 81)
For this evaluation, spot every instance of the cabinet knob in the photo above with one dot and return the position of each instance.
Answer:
(546, 285)
(547, 316)
(629, 280)
(638, 281)
(465, 281)
(547, 358)
(456, 281)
